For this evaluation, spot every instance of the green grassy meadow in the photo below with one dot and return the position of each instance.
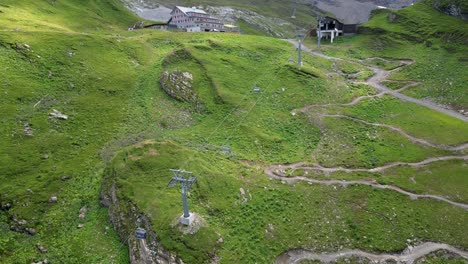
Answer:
(78, 58)
(436, 42)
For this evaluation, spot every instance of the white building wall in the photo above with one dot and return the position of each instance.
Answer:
(195, 20)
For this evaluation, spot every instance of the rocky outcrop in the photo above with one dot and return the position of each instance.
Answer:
(273, 26)
(126, 218)
(452, 8)
(179, 85)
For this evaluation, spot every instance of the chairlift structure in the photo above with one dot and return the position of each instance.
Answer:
(185, 184)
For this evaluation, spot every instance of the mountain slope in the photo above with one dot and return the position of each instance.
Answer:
(70, 15)
(435, 41)
(49, 63)
(124, 130)
(294, 13)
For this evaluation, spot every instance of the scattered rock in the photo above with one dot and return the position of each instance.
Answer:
(80, 226)
(30, 231)
(70, 53)
(83, 211)
(19, 47)
(41, 248)
(57, 114)
(243, 195)
(65, 177)
(45, 156)
(6, 207)
(53, 199)
(27, 129)
(20, 222)
(27, 46)
(45, 261)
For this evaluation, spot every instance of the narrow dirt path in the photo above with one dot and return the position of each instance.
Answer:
(380, 75)
(407, 256)
(403, 133)
(278, 172)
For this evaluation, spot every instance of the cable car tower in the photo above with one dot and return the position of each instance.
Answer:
(185, 184)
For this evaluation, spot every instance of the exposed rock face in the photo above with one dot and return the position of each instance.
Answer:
(357, 11)
(179, 85)
(274, 26)
(451, 9)
(126, 219)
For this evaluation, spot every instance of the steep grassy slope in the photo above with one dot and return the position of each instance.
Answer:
(124, 131)
(228, 146)
(45, 65)
(70, 16)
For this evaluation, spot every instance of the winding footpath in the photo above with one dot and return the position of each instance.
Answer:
(410, 255)
(278, 172)
(381, 75)
(403, 133)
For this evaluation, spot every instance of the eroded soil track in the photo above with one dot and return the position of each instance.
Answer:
(409, 255)
(279, 172)
(403, 133)
(381, 75)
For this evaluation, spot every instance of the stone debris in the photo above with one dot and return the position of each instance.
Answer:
(53, 199)
(30, 231)
(20, 222)
(45, 261)
(83, 211)
(243, 195)
(57, 114)
(41, 248)
(65, 177)
(80, 226)
(27, 129)
(6, 207)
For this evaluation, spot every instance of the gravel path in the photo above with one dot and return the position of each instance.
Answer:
(278, 172)
(380, 75)
(403, 133)
(409, 255)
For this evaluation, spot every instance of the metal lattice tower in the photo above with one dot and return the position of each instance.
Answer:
(185, 184)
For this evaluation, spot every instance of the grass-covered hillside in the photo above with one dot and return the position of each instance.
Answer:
(123, 131)
(435, 41)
